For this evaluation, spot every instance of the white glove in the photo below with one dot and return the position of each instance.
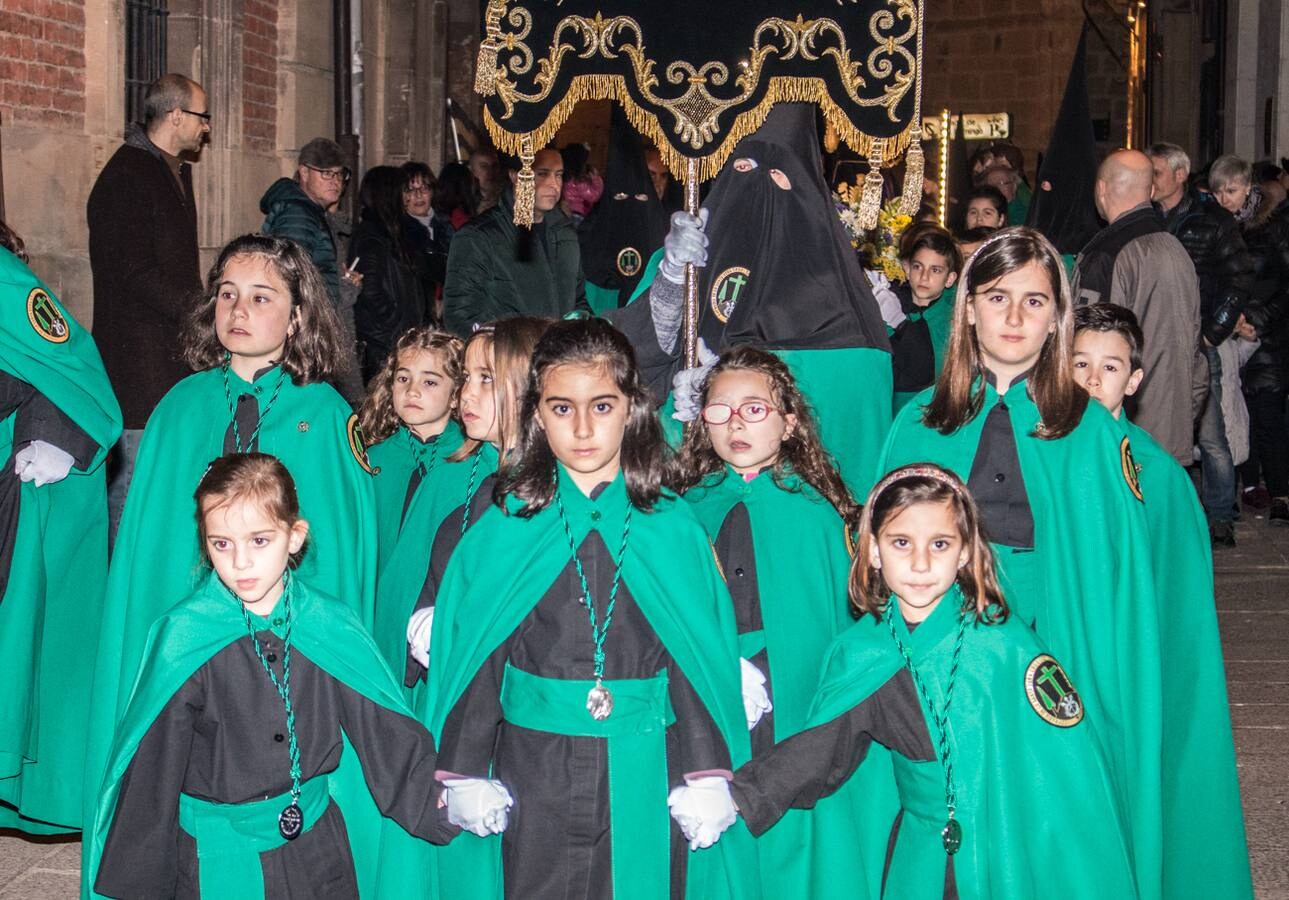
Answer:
(756, 699)
(687, 385)
(686, 242)
(887, 300)
(703, 809)
(479, 805)
(418, 635)
(42, 463)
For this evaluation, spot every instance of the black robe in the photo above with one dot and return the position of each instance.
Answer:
(222, 737)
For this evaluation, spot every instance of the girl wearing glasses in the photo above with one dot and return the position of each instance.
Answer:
(776, 509)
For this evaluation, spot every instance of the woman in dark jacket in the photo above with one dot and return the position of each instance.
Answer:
(387, 247)
(1265, 377)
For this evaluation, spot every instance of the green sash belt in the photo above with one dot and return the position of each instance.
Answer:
(750, 643)
(231, 836)
(637, 753)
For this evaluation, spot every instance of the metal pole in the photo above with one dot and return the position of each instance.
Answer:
(691, 273)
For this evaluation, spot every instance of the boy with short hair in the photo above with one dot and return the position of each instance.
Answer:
(1197, 747)
(931, 261)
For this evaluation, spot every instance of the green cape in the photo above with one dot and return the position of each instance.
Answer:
(389, 862)
(939, 322)
(1206, 854)
(504, 566)
(54, 595)
(1089, 585)
(403, 575)
(156, 557)
(392, 463)
(1035, 800)
(802, 569)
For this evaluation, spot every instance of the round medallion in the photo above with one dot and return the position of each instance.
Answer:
(629, 262)
(726, 289)
(46, 318)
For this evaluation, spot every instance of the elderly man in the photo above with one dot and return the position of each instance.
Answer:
(142, 220)
(1136, 263)
(496, 268)
(1212, 237)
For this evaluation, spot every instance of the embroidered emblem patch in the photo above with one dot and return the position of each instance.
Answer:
(717, 560)
(852, 538)
(726, 289)
(628, 262)
(44, 316)
(1131, 471)
(358, 444)
(1051, 693)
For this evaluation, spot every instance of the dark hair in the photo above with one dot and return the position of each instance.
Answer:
(171, 91)
(801, 451)
(1111, 318)
(377, 416)
(933, 238)
(414, 170)
(593, 343)
(13, 242)
(1266, 171)
(975, 235)
(511, 341)
(455, 190)
(960, 389)
(993, 195)
(313, 344)
(250, 477)
(381, 196)
(982, 597)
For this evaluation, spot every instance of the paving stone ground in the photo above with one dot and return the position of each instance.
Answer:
(1253, 611)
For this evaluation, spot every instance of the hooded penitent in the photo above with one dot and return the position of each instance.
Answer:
(627, 225)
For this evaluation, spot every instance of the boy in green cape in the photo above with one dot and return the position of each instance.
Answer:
(1206, 855)
(931, 261)
(265, 750)
(778, 512)
(58, 417)
(777, 272)
(264, 341)
(1048, 471)
(1004, 792)
(571, 665)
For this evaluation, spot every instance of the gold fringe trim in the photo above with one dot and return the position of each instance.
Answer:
(914, 172)
(870, 204)
(780, 90)
(525, 185)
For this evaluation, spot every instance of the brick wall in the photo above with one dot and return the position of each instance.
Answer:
(259, 74)
(42, 63)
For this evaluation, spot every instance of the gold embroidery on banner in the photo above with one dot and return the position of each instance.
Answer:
(891, 65)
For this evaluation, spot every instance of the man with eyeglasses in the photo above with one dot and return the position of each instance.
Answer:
(297, 208)
(142, 220)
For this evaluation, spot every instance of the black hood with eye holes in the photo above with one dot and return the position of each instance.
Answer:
(629, 223)
(781, 273)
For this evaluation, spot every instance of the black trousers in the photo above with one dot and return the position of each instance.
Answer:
(1268, 443)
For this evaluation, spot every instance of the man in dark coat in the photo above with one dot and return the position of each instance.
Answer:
(1212, 237)
(143, 255)
(496, 268)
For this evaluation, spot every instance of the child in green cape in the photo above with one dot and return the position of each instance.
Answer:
(1004, 793)
(1206, 856)
(264, 341)
(494, 375)
(408, 419)
(265, 750)
(584, 650)
(58, 417)
(1052, 476)
(776, 509)
(931, 260)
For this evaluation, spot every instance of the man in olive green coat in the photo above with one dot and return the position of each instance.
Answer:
(496, 268)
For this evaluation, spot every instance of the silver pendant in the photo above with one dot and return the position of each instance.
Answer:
(291, 822)
(951, 835)
(599, 702)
